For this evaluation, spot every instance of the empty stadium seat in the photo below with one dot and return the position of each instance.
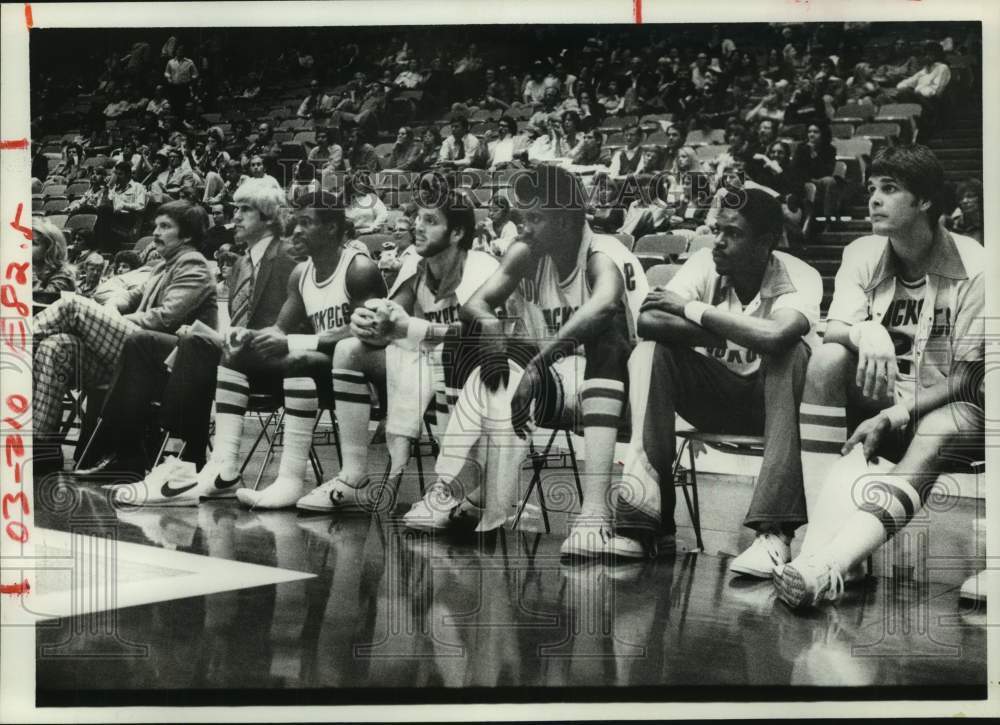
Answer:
(842, 130)
(854, 113)
(50, 191)
(704, 241)
(887, 131)
(660, 274)
(653, 249)
(702, 138)
(77, 189)
(58, 220)
(55, 206)
(82, 221)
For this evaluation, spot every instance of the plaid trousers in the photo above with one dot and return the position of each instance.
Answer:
(77, 345)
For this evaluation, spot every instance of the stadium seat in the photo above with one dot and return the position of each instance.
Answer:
(660, 274)
(794, 132)
(657, 137)
(852, 147)
(480, 129)
(697, 137)
(854, 113)
(886, 131)
(55, 206)
(484, 115)
(58, 220)
(704, 241)
(50, 190)
(82, 221)
(291, 150)
(77, 189)
(842, 130)
(654, 249)
(141, 245)
(305, 137)
(709, 154)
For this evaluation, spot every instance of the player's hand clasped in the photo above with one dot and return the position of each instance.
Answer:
(380, 322)
(876, 374)
(269, 342)
(524, 401)
(664, 300)
(869, 433)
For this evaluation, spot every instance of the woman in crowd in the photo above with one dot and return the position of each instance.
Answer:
(430, 149)
(364, 209)
(50, 269)
(968, 217)
(814, 161)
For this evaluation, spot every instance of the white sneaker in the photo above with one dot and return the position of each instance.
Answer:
(598, 541)
(337, 495)
(766, 552)
(976, 586)
(433, 512)
(807, 581)
(279, 495)
(172, 483)
(212, 485)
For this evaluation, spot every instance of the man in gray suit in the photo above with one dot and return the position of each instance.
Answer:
(259, 281)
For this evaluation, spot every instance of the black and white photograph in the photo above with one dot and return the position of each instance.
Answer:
(464, 361)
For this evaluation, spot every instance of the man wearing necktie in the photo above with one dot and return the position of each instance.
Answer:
(459, 150)
(258, 281)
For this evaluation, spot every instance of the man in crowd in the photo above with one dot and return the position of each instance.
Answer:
(461, 149)
(726, 344)
(902, 363)
(126, 200)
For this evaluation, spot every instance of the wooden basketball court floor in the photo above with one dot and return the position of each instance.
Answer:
(216, 604)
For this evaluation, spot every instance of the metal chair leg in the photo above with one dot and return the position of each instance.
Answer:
(576, 470)
(90, 441)
(537, 461)
(263, 433)
(270, 450)
(694, 494)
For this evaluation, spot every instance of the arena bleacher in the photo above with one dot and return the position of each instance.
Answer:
(83, 125)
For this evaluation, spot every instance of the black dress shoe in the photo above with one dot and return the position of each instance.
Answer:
(112, 466)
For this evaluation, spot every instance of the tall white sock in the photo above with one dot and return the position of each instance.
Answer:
(822, 433)
(232, 391)
(603, 401)
(301, 404)
(353, 408)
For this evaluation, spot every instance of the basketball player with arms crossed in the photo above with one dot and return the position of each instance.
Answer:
(399, 347)
(574, 297)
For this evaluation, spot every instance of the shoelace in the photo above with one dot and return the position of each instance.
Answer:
(774, 551)
(836, 589)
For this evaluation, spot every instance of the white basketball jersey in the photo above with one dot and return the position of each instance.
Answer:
(549, 302)
(476, 269)
(327, 302)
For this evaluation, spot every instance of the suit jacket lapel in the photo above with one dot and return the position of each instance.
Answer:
(264, 272)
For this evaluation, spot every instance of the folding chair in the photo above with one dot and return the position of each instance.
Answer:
(661, 274)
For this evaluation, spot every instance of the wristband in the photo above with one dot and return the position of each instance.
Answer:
(416, 330)
(303, 342)
(694, 310)
(898, 416)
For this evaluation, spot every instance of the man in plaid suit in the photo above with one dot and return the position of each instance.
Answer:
(78, 342)
(259, 281)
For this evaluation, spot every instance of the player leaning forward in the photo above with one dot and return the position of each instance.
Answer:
(725, 346)
(903, 354)
(571, 297)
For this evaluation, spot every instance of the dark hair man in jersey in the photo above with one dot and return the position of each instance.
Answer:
(902, 363)
(185, 388)
(400, 347)
(320, 295)
(726, 343)
(573, 295)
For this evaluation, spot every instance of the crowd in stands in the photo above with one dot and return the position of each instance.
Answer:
(745, 105)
